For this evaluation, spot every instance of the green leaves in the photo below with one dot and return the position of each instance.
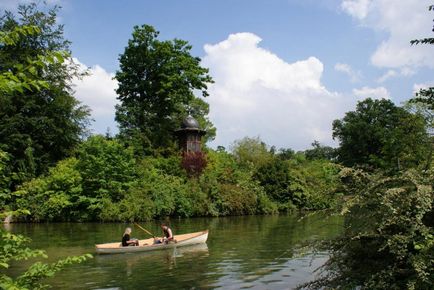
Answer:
(13, 36)
(156, 84)
(41, 120)
(107, 168)
(379, 134)
(13, 248)
(388, 241)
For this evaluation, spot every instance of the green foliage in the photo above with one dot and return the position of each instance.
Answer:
(285, 153)
(81, 188)
(107, 168)
(315, 184)
(170, 165)
(4, 178)
(274, 177)
(104, 182)
(251, 152)
(156, 84)
(24, 76)
(353, 180)
(41, 120)
(231, 188)
(13, 248)
(425, 96)
(155, 195)
(388, 242)
(300, 183)
(54, 197)
(320, 152)
(379, 134)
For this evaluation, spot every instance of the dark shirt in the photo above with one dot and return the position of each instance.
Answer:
(166, 232)
(125, 238)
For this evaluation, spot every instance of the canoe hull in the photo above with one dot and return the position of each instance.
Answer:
(147, 245)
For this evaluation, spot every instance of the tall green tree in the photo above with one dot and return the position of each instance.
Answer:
(379, 134)
(157, 80)
(42, 122)
(21, 77)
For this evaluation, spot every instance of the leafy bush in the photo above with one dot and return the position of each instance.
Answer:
(80, 189)
(13, 248)
(302, 183)
(4, 179)
(55, 196)
(388, 242)
(251, 152)
(107, 168)
(274, 177)
(105, 183)
(231, 190)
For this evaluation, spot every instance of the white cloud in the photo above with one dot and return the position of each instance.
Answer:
(346, 69)
(356, 8)
(391, 73)
(419, 86)
(98, 92)
(403, 21)
(258, 94)
(373, 93)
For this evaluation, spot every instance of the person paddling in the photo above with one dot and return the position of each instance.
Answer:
(126, 239)
(167, 234)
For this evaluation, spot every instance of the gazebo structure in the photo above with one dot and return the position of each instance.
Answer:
(190, 135)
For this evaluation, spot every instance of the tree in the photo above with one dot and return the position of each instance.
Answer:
(41, 120)
(274, 177)
(320, 152)
(156, 84)
(379, 134)
(388, 240)
(107, 168)
(251, 152)
(285, 153)
(19, 78)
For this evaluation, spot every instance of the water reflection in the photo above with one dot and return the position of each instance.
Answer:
(241, 252)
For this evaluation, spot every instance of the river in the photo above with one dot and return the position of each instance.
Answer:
(248, 252)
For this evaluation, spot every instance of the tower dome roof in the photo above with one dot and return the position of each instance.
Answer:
(190, 123)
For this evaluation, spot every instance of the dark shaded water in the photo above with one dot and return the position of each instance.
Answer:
(253, 252)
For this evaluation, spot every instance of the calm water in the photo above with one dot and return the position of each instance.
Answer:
(254, 252)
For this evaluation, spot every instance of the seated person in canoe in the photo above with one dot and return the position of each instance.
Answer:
(167, 234)
(126, 239)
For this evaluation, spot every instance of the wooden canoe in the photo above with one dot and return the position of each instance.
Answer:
(148, 244)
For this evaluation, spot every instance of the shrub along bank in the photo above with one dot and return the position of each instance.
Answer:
(103, 181)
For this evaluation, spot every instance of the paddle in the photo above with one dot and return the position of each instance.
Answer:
(145, 230)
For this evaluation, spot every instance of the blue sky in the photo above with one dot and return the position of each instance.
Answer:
(283, 69)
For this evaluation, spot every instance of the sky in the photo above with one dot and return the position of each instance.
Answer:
(283, 69)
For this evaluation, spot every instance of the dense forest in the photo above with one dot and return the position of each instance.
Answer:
(51, 169)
